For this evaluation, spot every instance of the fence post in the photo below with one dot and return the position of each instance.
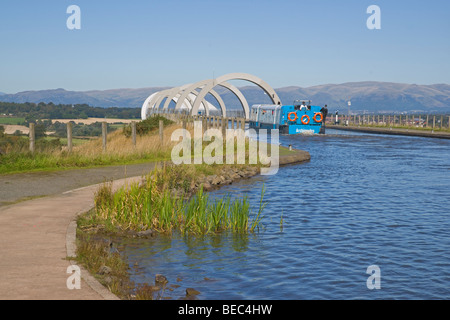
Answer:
(69, 137)
(32, 138)
(434, 122)
(204, 125)
(104, 134)
(133, 132)
(224, 127)
(161, 131)
(442, 120)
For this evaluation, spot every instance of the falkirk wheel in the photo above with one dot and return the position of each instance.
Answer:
(191, 97)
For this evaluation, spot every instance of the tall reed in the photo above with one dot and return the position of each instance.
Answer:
(142, 207)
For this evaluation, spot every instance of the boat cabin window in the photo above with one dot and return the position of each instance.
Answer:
(302, 105)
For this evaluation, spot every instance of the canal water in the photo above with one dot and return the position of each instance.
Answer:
(362, 200)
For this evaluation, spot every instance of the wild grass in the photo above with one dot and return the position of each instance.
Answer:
(120, 150)
(95, 254)
(152, 206)
(51, 156)
(75, 141)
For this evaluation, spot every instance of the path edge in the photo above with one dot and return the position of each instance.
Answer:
(71, 249)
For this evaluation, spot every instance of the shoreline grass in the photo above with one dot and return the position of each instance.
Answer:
(108, 266)
(152, 205)
(142, 209)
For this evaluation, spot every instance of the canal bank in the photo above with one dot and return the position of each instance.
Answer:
(38, 235)
(364, 200)
(393, 131)
(131, 228)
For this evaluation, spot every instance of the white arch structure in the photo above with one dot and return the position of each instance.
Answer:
(182, 96)
(154, 100)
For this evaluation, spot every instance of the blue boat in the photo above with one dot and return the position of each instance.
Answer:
(299, 118)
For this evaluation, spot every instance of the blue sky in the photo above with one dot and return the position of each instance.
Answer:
(135, 44)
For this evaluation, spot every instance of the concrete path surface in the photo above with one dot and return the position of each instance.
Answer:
(33, 250)
(16, 187)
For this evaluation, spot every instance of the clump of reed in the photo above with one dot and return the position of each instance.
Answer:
(140, 207)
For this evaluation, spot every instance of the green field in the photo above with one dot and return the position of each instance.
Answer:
(116, 126)
(11, 120)
(75, 141)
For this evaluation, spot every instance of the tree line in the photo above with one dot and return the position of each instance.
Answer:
(38, 111)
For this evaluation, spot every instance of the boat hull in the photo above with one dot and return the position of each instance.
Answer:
(289, 129)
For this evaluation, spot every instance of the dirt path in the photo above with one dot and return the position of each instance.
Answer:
(23, 186)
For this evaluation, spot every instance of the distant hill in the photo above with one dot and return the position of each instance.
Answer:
(382, 96)
(365, 96)
(127, 98)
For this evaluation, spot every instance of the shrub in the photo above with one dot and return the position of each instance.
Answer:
(146, 126)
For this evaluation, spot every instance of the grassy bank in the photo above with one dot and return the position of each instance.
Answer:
(104, 262)
(50, 156)
(120, 150)
(162, 203)
(167, 201)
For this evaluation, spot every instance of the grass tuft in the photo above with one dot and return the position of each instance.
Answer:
(152, 206)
